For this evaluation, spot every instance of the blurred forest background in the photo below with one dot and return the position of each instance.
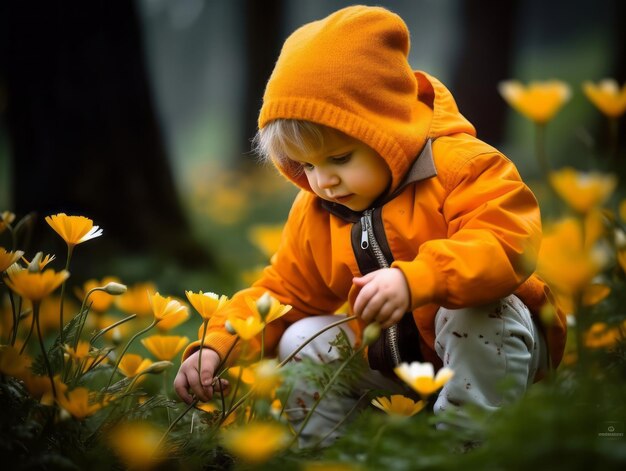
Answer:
(139, 114)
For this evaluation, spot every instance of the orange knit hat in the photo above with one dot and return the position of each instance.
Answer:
(350, 71)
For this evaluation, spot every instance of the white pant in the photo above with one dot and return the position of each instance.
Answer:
(482, 345)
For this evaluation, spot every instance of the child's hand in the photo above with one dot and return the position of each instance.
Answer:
(188, 383)
(383, 297)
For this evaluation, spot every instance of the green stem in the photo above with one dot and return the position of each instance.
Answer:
(173, 424)
(205, 323)
(342, 421)
(19, 319)
(325, 391)
(70, 249)
(310, 339)
(166, 395)
(218, 376)
(374, 443)
(112, 326)
(43, 348)
(30, 332)
(287, 359)
(234, 396)
(83, 314)
(141, 332)
(16, 319)
(134, 381)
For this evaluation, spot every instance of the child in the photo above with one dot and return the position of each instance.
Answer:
(424, 228)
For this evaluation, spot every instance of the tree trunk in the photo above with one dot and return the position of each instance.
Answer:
(484, 60)
(82, 127)
(264, 35)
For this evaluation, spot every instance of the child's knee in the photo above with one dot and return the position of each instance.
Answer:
(504, 324)
(319, 348)
(484, 346)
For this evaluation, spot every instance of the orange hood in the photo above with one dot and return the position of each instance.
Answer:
(350, 71)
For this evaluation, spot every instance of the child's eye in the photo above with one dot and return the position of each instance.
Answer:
(307, 166)
(341, 159)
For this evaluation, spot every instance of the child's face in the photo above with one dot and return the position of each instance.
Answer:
(345, 171)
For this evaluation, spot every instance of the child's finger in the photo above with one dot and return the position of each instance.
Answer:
(361, 281)
(206, 378)
(202, 393)
(222, 386)
(367, 303)
(181, 386)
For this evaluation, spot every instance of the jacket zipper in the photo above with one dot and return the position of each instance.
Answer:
(368, 239)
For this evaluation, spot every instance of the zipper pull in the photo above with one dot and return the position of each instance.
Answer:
(365, 241)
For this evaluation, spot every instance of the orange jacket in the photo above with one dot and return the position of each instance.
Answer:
(463, 228)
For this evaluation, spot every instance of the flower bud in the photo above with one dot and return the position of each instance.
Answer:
(115, 288)
(64, 414)
(33, 266)
(116, 336)
(158, 367)
(547, 314)
(263, 305)
(371, 333)
(229, 328)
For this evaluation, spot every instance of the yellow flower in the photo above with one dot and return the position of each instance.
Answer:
(12, 363)
(266, 238)
(267, 378)
(539, 101)
(227, 200)
(81, 352)
(163, 307)
(6, 217)
(165, 347)
(35, 286)
(136, 299)
(73, 229)
(246, 328)
(594, 293)
(100, 301)
(132, 364)
(8, 258)
(567, 263)
(206, 303)
(207, 407)
(246, 374)
(137, 445)
(607, 97)
(174, 320)
(39, 387)
(79, 402)
(43, 262)
(421, 377)
(398, 405)
(600, 335)
(268, 308)
(256, 442)
(583, 190)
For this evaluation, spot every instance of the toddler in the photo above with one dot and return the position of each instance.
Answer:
(404, 213)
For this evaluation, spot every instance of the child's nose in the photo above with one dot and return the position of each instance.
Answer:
(326, 179)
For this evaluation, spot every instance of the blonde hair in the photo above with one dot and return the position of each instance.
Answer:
(281, 137)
